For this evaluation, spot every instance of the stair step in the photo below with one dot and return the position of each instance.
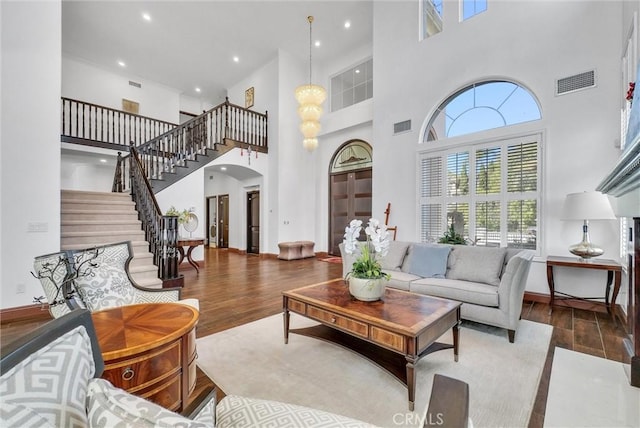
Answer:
(95, 205)
(100, 238)
(139, 247)
(68, 226)
(88, 195)
(92, 215)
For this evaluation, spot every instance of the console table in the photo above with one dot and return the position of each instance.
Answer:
(614, 274)
(191, 243)
(150, 350)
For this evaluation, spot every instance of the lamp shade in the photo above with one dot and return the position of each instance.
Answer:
(587, 206)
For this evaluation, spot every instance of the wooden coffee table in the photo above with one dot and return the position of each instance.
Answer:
(150, 350)
(394, 332)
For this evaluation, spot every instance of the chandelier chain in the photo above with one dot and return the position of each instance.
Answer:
(310, 19)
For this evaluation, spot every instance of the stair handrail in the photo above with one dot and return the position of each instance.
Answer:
(161, 231)
(92, 124)
(222, 123)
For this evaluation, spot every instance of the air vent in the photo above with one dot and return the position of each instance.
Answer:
(576, 83)
(402, 127)
(136, 84)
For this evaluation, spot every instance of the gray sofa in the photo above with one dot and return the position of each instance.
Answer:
(489, 281)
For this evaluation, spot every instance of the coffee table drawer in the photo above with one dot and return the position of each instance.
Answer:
(295, 306)
(388, 339)
(345, 323)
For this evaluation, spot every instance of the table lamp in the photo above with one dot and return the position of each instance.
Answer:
(586, 206)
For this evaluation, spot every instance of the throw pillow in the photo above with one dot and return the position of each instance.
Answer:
(108, 285)
(477, 264)
(394, 258)
(110, 406)
(429, 260)
(53, 381)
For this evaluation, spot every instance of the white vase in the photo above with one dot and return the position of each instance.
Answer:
(367, 290)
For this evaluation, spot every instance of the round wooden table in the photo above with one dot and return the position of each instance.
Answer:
(150, 350)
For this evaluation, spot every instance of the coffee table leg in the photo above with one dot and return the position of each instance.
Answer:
(285, 316)
(411, 380)
(456, 337)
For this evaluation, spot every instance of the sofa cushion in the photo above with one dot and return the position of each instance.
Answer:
(429, 260)
(394, 258)
(477, 264)
(107, 285)
(235, 411)
(53, 380)
(399, 279)
(462, 291)
(110, 406)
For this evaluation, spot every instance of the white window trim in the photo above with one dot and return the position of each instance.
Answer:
(443, 148)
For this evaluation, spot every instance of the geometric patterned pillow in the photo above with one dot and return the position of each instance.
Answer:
(109, 406)
(235, 411)
(52, 382)
(17, 415)
(107, 285)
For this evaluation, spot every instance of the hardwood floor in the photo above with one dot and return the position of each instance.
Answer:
(234, 289)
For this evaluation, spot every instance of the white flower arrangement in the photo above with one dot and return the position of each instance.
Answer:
(367, 264)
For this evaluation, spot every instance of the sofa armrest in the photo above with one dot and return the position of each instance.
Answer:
(513, 284)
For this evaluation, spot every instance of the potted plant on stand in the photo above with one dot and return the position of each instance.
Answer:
(367, 281)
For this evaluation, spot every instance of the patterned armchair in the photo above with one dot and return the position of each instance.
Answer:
(96, 278)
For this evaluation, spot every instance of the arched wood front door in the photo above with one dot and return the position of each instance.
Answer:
(350, 184)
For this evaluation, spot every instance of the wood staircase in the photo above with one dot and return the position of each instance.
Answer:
(88, 219)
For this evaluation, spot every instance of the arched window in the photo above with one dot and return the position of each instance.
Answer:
(488, 191)
(481, 106)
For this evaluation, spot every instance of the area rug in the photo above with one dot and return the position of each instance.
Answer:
(252, 360)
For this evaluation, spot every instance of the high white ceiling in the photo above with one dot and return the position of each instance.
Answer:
(189, 44)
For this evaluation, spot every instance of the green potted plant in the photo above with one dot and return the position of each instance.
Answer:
(452, 237)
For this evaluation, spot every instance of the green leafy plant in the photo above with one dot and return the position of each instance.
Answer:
(183, 215)
(367, 264)
(452, 237)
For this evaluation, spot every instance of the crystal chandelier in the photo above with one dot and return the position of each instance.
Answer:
(310, 97)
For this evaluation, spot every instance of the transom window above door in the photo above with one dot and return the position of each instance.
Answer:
(482, 106)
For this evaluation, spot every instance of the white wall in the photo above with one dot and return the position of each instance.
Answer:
(86, 82)
(413, 77)
(186, 194)
(30, 134)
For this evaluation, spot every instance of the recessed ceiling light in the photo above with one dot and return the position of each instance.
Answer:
(122, 64)
(223, 168)
(103, 160)
(236, 59)
(317, 43)
(197, 89)
(146, 16)
(357, 70)
(347, 24)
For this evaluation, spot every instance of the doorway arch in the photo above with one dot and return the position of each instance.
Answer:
(350, 189)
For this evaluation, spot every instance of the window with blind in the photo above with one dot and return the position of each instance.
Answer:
(490, 193)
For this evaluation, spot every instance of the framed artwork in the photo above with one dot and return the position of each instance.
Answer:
(248, 97)
(130, 106)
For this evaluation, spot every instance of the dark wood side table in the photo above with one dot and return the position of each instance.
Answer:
(150, 350)
(191, 243)
(614, 275)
